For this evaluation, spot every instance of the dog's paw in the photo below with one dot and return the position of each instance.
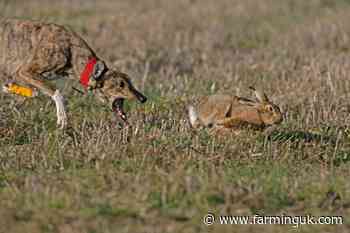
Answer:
(62, 119)
(61, 112)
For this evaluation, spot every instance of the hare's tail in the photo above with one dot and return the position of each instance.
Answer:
(193, 116)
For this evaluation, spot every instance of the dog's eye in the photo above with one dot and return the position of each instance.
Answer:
(121, 84)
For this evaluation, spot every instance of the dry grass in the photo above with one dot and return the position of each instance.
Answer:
(159, 175)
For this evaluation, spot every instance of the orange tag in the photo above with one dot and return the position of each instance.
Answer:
(19, 90)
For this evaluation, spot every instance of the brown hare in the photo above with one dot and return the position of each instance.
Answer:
(233, 112)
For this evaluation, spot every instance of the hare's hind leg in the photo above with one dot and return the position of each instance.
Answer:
(231, 122)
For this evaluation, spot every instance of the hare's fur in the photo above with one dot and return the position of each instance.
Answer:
(233, 112)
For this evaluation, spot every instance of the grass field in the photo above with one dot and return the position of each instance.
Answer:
(159, 175)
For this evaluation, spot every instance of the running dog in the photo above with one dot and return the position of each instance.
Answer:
(32, 53)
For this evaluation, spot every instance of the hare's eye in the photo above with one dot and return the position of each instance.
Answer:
(269, 108)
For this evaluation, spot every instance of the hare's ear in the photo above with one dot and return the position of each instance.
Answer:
(245, 101)
(260, 95)
(228, 110)
(99, 70)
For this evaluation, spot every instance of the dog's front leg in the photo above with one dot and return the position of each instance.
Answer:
(55, 95)
(60, 109)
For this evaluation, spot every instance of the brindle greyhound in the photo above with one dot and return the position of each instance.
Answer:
(33, 52)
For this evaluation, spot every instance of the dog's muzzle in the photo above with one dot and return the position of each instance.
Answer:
(140, 97)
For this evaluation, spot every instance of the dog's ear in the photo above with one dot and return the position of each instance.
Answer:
(99, 69)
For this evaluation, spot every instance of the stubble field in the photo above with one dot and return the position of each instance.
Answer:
(159, 175)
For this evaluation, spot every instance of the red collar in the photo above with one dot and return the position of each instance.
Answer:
(86, 74)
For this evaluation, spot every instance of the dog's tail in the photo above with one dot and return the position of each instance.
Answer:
(193, 117)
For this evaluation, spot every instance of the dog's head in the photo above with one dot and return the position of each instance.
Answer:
(117, 85)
